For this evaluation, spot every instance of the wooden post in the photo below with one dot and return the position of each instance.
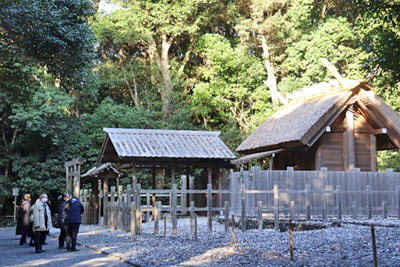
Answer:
(191, 187)
(350, 139)
(243, 218)
(105, 201)
(210, 175)
(148, 207)
(233, 231)
(113, 208)
(183, 195)
(134, 176)
(195, 227)
(291, 240)
(165, 225)
(398, 201)
(192, 216)
(324, 211)
(353, 209)
(374, 245)
(86, 214)
(339, 201)
(100, 201)
(276, 207)
(119, 208)
(174, 202)
(226, 216)
(140, 222)
(157, 212)
(172, 175)
(138, 214)
(308, 202)
(259, 217)
(153, 182)
(209, 207)
(133, 218)
(384, 209)
(369, 201)
(220, 179)
(292, 212)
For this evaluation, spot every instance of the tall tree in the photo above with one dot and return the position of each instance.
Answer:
(42, 43)
(162, 31)
(261, 28)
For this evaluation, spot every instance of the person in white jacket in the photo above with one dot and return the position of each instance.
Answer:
(41, 221)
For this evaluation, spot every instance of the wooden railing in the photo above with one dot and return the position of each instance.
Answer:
(126, 208)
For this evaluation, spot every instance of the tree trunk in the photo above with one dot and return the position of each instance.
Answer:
(271, 80)
(7, 166)
(162, 62)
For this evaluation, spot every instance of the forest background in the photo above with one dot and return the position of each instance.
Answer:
(68, 68)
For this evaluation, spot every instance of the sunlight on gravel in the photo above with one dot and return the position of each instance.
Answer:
(349, 245)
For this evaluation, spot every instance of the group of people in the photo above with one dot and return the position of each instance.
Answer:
(34, 221)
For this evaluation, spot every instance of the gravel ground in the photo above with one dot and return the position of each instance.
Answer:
(12, 254)
(349, 245)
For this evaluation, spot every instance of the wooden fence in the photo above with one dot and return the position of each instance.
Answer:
(255, 193)
(363, 194)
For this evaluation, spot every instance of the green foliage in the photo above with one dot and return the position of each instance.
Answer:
(52, 33)
(7, 222)
(335, 40)
(389, 159)
(56, 95)
(231, 85)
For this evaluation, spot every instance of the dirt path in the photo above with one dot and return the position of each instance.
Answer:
(12, 254)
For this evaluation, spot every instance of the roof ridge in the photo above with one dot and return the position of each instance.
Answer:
(159, 131)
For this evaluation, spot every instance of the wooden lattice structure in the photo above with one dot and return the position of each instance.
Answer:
(73, 176)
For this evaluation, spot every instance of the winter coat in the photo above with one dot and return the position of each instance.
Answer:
(23, 217)
(74, 209)
(62, 213)
(39, 218)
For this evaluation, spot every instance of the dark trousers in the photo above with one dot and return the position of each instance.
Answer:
(39, 239)
(23, 235)
(73, 229)
(63, 235)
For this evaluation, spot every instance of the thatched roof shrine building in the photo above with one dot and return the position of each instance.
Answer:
(337, 127)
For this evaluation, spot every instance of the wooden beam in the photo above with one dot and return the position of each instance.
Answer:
(351, 158)
(380, 131)
(360, 130)
(373, 153)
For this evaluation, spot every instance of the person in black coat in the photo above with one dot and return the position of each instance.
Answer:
(23, 219)
(62, 214)
(74, 210)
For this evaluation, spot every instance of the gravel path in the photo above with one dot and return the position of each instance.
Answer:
(349, 245)
(12, 254)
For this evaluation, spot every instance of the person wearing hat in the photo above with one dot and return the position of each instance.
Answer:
(73, 220)
(41, 221)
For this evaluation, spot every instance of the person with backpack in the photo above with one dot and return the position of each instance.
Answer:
(74, 210)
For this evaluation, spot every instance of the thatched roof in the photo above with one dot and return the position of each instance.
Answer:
(302, 122)
(255, 156)
(150, 146)
(97, 171)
